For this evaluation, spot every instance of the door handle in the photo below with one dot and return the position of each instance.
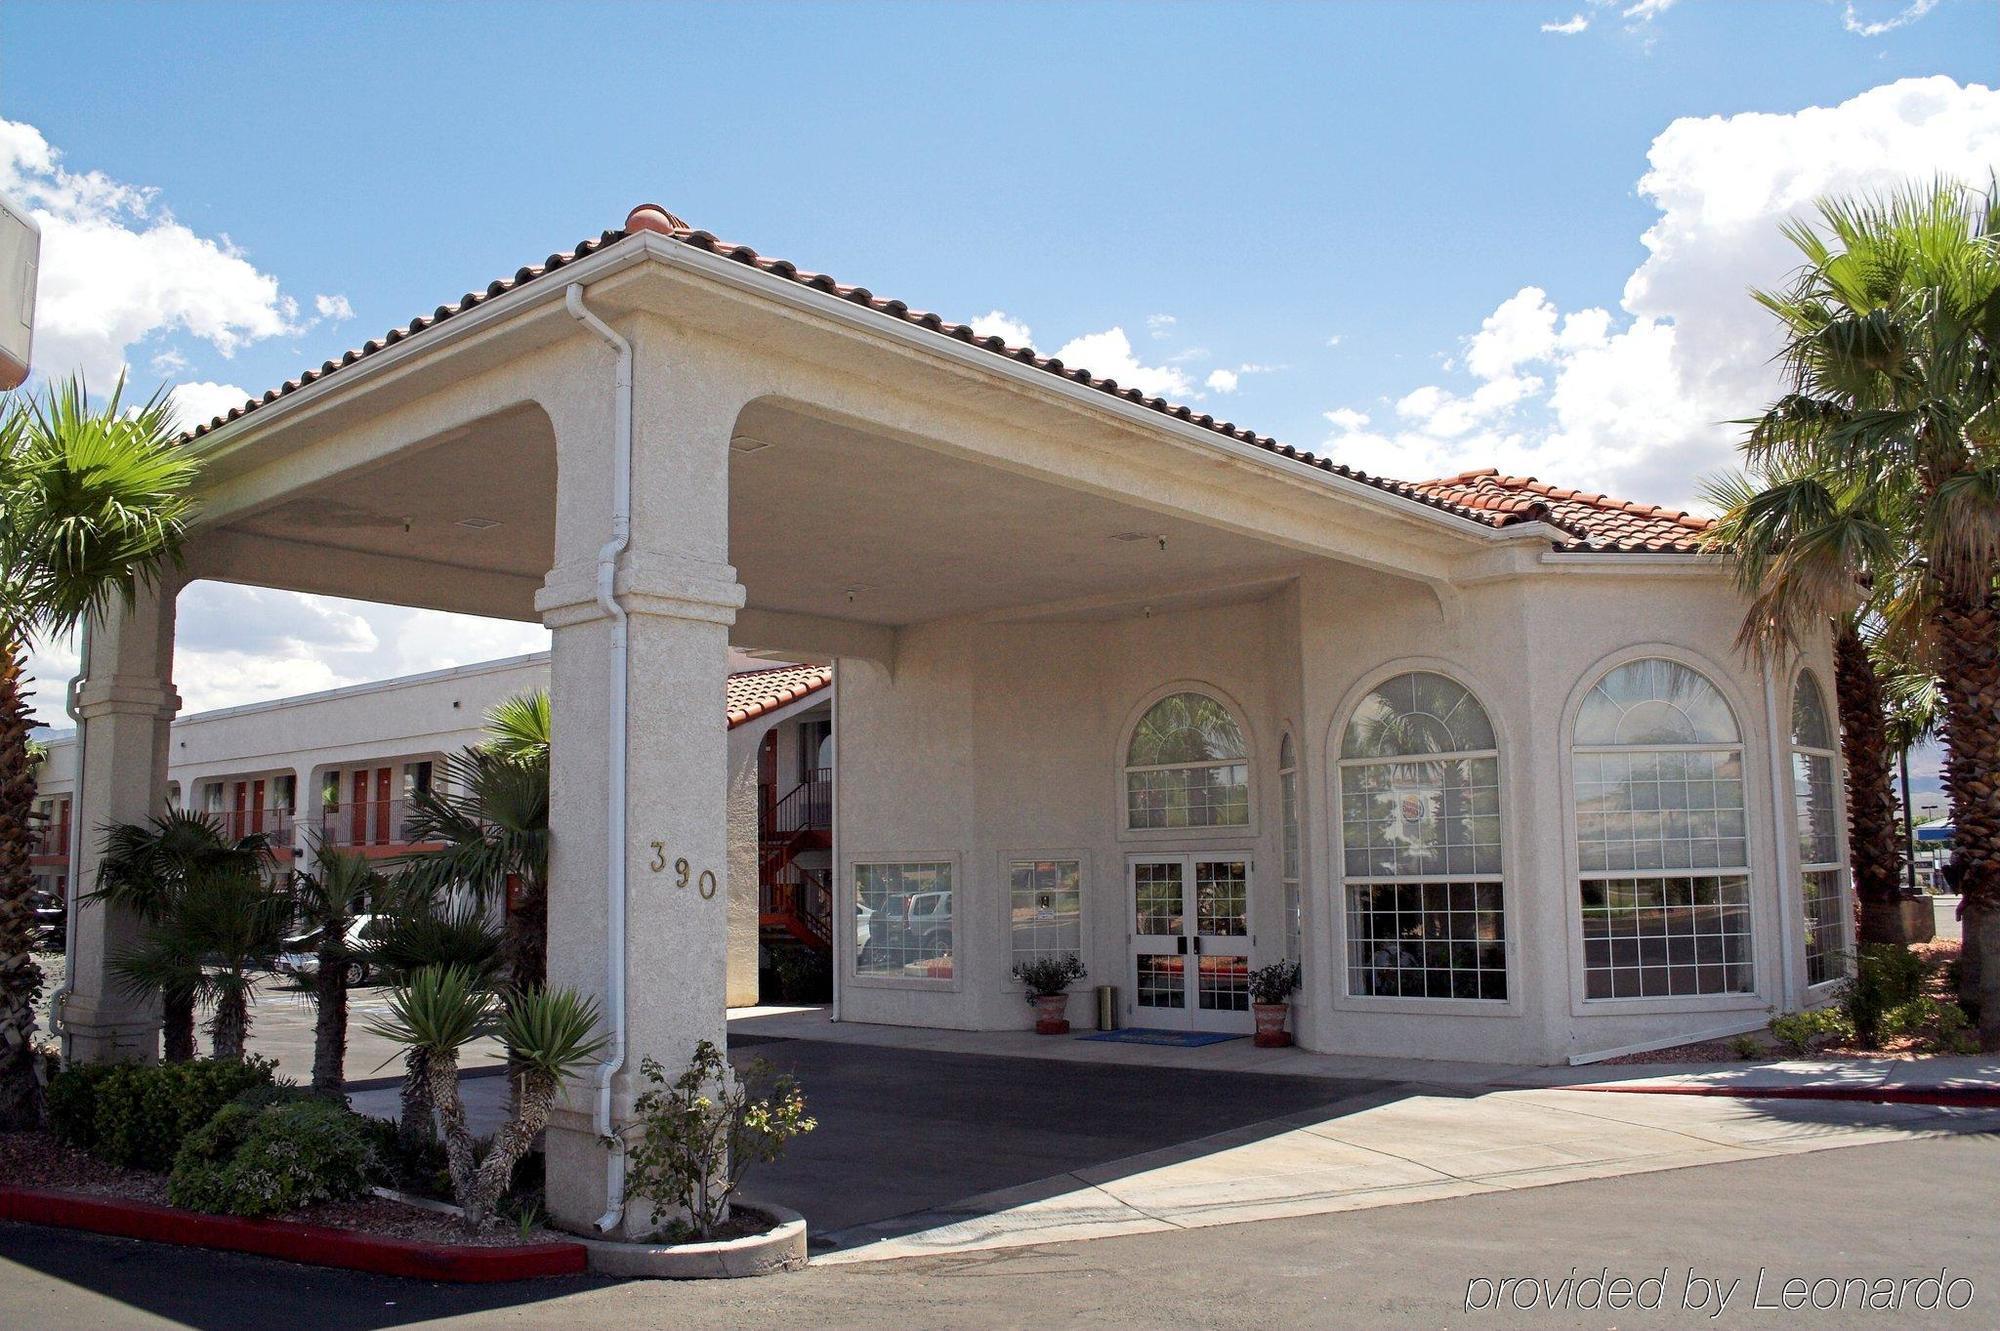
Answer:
(1197, 946)
(1182, 940)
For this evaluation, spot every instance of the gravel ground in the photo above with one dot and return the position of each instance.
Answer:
(55, 967)
(37, 1160)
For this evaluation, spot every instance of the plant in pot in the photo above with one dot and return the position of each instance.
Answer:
(1271, 990)
(1048, 980)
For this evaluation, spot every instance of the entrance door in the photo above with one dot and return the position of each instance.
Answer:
(1190, 942)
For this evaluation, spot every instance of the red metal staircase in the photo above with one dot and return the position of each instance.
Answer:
(793, 901)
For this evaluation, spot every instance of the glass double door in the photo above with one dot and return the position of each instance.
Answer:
(1190, 942)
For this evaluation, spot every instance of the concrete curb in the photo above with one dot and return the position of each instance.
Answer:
(291, 1240)
(1961, 1097)
(782, 1248)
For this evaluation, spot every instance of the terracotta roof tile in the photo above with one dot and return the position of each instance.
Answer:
(752, 693)
(1595, 522)
(1467, 496)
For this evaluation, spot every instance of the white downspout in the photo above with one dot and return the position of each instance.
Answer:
(614, 906)
(59, 1004)
(1781, 837)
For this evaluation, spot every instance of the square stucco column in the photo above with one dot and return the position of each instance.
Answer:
(679, 597)
(744, 852)
(127, 707)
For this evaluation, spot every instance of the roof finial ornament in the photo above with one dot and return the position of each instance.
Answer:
(652, 217)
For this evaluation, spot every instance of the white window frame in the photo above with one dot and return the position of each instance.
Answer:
(1291, 850)
(1005, 863)
(845, 897)
(1225, 834)
(1757, 848)
(1838, 866)
(1337, 877)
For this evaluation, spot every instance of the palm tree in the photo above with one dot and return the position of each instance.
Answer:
(219, 932)
(146, 868)
(1892, 361)
(491, 817)
(94, 506)
(327, 899)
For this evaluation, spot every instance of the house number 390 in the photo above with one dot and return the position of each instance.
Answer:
(704, 882)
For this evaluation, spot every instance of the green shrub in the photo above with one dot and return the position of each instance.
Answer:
(1803, 1032)
(255, 1161)
(138, 1116)
(1938, 1025)
(1745, 1046)
(1886, 975)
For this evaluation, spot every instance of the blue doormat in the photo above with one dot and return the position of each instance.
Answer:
(1150, 1035)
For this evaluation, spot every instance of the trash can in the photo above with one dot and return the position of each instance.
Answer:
(1107, 1007)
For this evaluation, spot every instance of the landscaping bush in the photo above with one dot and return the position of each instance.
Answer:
(1804, 1032)
(1886, 975)
(256, 1161)
(138, 1116)
(1938, 1025)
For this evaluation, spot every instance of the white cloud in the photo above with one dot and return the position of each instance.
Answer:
(1635, 400)
(1346, 419)
(1569, 27)
(1161, 326)
(1645, 11)
(200, 402)
(1333, 340)
(1000, 324)
(1109, 355)
(117, 269)
(1222, 381)
(1851, 19)
(335, 308)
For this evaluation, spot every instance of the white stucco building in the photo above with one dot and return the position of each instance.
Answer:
(1111, 674)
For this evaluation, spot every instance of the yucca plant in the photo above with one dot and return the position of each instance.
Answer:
(94, 506)
(552, 1033)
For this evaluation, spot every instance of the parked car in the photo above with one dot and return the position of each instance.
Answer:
(50, 919)
(918, 924)
(300, 957)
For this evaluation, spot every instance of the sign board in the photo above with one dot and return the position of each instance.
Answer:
(20, 260)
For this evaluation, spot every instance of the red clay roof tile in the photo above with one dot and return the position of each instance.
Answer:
(752, 693)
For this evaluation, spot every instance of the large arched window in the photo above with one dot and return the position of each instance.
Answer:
(1814, 796)
(1187, 766)
(1288, 800)
(1661, 846)
(1420, 836)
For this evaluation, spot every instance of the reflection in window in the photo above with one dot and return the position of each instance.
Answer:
(1288, 799)
(1813, 796)
(1187, 766)
(1046, 908)
(904, 926)
(1662, 850)
(1420, 834)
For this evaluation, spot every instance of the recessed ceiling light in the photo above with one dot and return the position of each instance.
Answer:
(479, 524)
(744, 443)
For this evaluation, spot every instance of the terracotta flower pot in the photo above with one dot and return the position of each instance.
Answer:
(1049, 1014)
(1271, 1032)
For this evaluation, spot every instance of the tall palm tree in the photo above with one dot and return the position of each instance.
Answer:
(146, 868)
(340, 887)
(491, 818)
(1892, 361)
(94, 506)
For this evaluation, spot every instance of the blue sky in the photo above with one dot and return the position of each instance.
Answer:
(1430, 216)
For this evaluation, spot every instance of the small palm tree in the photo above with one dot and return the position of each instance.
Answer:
(218, 933)
(518, 728)
(94, 506)
(553, 1035)
(146, 867)
(340, 887)
(491, 818)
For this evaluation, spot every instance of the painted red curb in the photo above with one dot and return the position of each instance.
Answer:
(1965, 1097)
(291, 1240)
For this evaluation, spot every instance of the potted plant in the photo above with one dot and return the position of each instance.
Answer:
(1048, 980)
(1271, 990)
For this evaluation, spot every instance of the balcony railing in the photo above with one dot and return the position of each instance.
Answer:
(370, 823)
(48, 842)
(808, 805)
(275, 825)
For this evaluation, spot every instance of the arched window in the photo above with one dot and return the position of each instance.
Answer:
(1662, 853)
(1187, 766)
(1814, 796)
(1288, 799)
(1420, 836)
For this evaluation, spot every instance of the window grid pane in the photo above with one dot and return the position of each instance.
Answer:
(910, 922)
(1667, 937)
(1654, 810)
(1157, 890)
(1826, 939)
(1223, 984)
(1222, 898)
(1046, 908)
(1812, 790)
(1162, 981)
(1427, 940)
(1421, 819)
(1217, 796)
